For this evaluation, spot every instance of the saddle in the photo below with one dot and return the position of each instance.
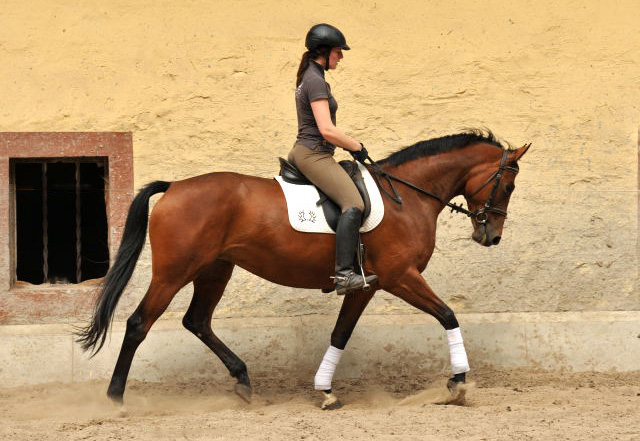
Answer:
(331, 210)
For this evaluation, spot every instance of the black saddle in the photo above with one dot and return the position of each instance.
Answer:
(331, 210)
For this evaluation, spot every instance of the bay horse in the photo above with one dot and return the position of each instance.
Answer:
(226, 219)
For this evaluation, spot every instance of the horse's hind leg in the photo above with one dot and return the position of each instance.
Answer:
(154, 303)
(208, 289)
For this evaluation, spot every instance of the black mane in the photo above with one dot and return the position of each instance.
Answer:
(443, 144)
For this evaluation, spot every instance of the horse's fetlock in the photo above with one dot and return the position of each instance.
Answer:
(459, 378)
(116, 390)
(238, 370)
(339, 340)
(448, 319)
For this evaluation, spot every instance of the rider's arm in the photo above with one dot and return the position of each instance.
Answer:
(330, 132)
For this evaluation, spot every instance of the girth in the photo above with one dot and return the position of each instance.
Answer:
(331, 210)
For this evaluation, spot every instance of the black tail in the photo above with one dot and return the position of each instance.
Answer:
(94, 334)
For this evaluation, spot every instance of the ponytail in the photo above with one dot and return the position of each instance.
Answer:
(304, 63)
(306, 59)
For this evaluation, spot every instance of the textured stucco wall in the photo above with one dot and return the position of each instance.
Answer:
(209, 87)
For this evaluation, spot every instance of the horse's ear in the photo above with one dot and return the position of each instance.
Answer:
(521, 151)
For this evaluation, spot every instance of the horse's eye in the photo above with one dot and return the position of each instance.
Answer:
(509, 188)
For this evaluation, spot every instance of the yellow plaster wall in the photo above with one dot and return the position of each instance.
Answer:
(208, 86)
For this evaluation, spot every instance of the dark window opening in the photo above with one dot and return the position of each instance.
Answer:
(61, 220)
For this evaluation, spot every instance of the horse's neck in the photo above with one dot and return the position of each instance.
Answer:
(444, 175)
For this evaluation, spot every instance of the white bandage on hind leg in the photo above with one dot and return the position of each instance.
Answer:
(327, 368)
(459, 361)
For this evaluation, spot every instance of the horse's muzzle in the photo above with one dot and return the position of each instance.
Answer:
(484, 236)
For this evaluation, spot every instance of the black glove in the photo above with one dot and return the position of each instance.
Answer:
(360, 155)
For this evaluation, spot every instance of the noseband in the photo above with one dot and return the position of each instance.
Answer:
(480, 215)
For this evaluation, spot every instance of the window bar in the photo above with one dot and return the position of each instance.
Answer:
(45, 225)
(78, 227)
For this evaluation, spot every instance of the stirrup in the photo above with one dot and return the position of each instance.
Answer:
(342, 283)
(340, 279)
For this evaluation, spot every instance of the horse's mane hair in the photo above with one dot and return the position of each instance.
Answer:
(443, 144)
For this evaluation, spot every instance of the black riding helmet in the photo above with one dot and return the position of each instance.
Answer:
(325, 35)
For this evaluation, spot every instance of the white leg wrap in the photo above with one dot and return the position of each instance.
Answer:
(327, 368)
(459, 361)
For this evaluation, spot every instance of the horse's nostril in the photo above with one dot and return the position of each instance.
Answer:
(496, 240)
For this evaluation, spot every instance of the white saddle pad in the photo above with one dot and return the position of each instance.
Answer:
(306, 216)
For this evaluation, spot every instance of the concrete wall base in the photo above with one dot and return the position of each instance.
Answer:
(293, 347)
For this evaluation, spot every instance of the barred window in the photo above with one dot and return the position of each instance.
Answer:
(61, 225)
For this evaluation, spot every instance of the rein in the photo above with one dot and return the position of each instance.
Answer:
(480, 215)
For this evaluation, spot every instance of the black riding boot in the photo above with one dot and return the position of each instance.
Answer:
(346, 242)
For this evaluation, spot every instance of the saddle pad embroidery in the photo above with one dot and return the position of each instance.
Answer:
(306, 216)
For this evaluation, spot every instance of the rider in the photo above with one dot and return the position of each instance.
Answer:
(317, 139)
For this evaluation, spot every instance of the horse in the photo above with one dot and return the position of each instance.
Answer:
(244, 222)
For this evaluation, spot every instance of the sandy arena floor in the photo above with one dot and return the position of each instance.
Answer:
(501, 406)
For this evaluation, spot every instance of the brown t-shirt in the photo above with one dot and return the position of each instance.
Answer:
(313, 87)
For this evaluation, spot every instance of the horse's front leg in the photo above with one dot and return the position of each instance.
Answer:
(351, 310)
(413, 289)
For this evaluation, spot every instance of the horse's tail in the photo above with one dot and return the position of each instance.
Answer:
(93, 336)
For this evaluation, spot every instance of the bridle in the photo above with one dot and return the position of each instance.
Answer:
(480, 215)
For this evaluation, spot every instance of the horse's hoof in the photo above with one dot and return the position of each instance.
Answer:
(457, 393)
(244, 391)
(452, 385)
(330, 402)
(116, 399)
(118, 404)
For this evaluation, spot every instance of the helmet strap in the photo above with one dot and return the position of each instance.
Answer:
(326, 64)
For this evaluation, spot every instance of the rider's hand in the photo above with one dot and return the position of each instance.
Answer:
(360, 155)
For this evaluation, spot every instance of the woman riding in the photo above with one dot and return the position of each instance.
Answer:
(317, 140)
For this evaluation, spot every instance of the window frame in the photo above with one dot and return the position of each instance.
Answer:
(22, 302)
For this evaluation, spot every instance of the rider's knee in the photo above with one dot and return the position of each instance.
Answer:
(357, 205)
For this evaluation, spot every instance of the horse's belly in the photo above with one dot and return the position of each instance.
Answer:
(309, 266)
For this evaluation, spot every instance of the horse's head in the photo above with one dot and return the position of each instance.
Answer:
(488, 191)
